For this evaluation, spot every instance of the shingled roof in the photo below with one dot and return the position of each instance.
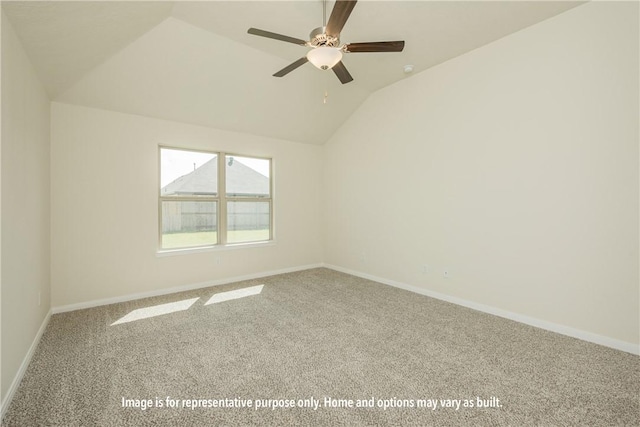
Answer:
(241, 181)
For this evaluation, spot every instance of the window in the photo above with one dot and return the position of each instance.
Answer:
(209, 199)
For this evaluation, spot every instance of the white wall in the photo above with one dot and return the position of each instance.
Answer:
(514, 166)
(25, 206)
(104, 177)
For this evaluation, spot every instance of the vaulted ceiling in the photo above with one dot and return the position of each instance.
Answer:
(194, 61)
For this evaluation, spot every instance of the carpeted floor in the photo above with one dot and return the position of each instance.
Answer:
(318, 334)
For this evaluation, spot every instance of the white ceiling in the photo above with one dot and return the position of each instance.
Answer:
(194, 61)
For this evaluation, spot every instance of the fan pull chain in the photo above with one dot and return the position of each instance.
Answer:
(326, 95)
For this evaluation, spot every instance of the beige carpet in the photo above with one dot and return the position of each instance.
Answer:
(320, 334)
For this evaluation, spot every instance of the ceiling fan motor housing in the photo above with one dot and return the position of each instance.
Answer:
(319, 38)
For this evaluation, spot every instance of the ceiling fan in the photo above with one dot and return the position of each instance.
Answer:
(326, 50)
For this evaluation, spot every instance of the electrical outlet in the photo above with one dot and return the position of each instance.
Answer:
(218, 260)
(363, 257)
(445, 273)
(425, 268)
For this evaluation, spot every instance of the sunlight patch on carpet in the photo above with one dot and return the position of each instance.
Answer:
(238, 293)
(156, 310)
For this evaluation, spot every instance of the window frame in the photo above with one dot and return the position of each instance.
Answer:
(221, 199)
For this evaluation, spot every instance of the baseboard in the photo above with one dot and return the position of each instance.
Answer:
(23, 367)
(542, 324)
(190, 287)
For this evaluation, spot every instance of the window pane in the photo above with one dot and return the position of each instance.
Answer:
(189, 223)
(247, 177)
(248, 221)
(188, 173)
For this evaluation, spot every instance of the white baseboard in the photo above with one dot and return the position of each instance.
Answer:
(542, 324)
(23, 367)
(190, 287)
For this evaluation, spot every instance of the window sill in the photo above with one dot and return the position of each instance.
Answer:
(218, 248)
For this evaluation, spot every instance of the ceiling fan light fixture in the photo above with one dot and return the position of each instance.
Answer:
(324, 57)
(324, 42)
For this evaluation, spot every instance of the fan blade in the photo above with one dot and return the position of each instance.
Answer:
(342, 73)
(339, 15)
(396, 46)
(289, 68)
(270, 35)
